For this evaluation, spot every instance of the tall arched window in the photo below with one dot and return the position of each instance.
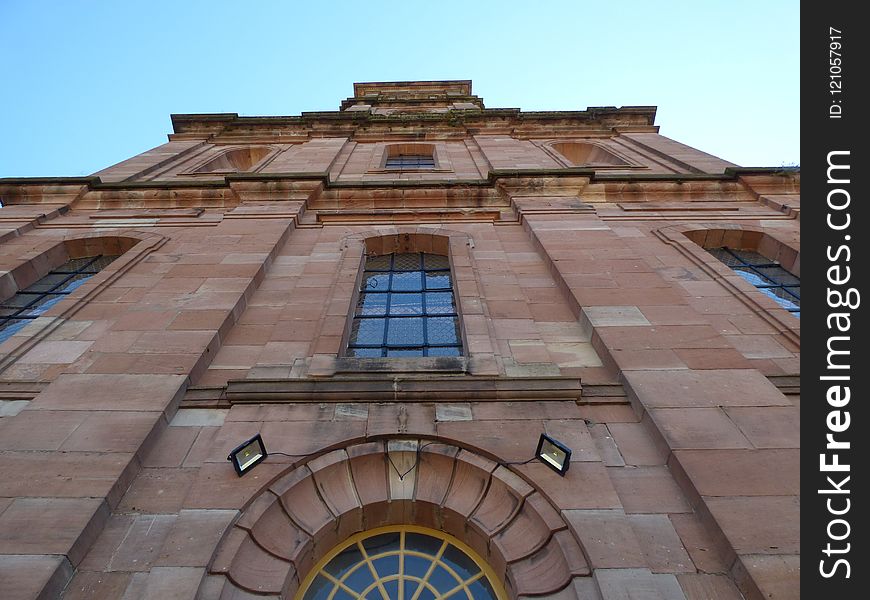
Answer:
(34, 300)
(767, 275)
(406, 308)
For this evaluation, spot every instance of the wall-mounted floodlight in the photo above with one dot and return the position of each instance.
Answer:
(248, 455)
(554, 454)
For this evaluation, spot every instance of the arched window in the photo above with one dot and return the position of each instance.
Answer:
(238, 160)
(582, 154)
(401, 563)
(767, 275)
(406, 307)
(34, 300)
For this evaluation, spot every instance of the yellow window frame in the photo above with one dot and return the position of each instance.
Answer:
(368, 559)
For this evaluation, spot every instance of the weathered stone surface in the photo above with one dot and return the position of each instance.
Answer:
(648, 490)
(26, 576)
(607, 538)
(62, 526)
(627, 584)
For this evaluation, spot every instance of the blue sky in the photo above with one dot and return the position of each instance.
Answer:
(87, 84)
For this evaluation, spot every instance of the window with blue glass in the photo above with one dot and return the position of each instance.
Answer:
(767, 275)
(406, 308)
(36, 299)
(410, 162)
(402, 563)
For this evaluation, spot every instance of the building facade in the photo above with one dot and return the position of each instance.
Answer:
(400, 297)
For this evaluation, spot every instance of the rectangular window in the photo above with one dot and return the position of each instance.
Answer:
(406, 307)
(408, 162)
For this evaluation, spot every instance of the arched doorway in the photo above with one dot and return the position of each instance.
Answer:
(288, 534)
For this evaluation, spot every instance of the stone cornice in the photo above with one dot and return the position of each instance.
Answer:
(606, 117)
(15, 186)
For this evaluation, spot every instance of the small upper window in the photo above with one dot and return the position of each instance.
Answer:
(406, 308)
(765, 274)
(408, 162)
(582, 154)
(410, 157)
(236, 161)
(36, 299)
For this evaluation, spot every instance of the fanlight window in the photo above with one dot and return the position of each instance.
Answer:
(406, 307)
(767, 275)
(407, 563)
(36, 299)
(580, 154)
(234, 161)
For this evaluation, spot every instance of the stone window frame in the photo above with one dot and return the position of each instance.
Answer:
(694, 240)
(390, 295)
(547, 147)
(131, 246)
(453, 244)
(385, 150)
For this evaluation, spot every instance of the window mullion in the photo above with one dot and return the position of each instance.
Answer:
(423, 307)
(388, 309)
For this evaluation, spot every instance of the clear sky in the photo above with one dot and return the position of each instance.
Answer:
(86, 84)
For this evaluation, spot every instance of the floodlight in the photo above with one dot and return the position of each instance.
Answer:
(248, 455)
(554, 454)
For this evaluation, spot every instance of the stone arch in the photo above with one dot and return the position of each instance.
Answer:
(747, 237)
(46, 255)
(384, 240)
(306, 511)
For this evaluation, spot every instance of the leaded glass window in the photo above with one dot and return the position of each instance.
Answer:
(36, 299)
(401, 563)
(767, 275)
(405, 162)
(406, 307)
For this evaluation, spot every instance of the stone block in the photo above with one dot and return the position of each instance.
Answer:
(631, 584)
(709, 388)
(755, 524)
(193, 537)
(610, 316)
(33, 576)
(648, 490)
(774, 472)
(699, 586)
(607, 538)
(662, 547)
(199, 417)
(51, 526)
(702, 428)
